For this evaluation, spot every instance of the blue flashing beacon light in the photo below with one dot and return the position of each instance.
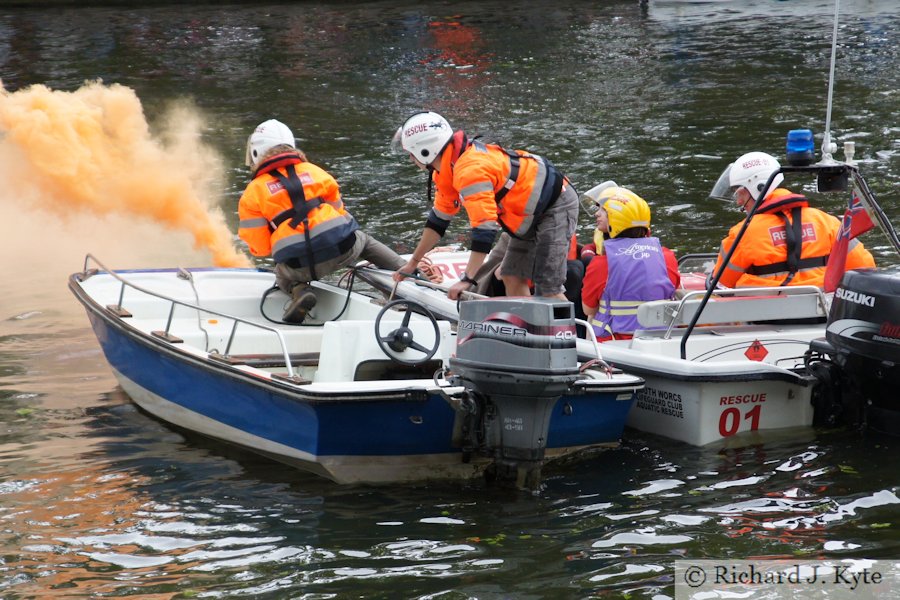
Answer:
(800, 148)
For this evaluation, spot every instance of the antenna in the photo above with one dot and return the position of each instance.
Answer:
(829, 147)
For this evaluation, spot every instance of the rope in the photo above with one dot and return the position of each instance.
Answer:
(265, 295)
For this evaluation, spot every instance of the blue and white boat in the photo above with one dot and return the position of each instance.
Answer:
(361, 391)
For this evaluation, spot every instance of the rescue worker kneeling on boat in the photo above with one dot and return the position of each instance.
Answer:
(292, 210)
(631, 268)
(787, 242)
(520, 192)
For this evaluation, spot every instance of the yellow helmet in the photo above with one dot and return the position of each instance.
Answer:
(624, 210)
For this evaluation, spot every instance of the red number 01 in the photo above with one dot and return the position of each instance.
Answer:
(730, 420)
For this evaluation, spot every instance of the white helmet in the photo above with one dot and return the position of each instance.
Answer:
(424, 136)
(751, 171)
(266, 136)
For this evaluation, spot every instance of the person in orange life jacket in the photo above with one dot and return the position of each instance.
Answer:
(292, 210)
(632, 267)
(787, 242)
(522, 193)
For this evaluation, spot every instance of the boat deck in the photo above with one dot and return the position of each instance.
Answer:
(230, 328)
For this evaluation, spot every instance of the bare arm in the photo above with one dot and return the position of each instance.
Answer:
(429, 240)
(476, 259)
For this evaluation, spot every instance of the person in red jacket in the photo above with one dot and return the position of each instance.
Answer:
(293, 211)
(787, 242)
(516, 191)
(632, 267)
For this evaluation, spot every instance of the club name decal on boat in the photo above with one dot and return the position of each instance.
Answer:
(670, 404)
(662, 402)
(855, 297)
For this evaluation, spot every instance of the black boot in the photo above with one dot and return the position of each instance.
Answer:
(302, 300)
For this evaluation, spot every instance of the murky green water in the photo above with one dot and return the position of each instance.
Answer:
(98, 500)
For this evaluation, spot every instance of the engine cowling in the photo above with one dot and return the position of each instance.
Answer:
(862, 340)
(517, 356)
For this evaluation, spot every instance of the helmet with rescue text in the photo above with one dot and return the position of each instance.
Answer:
(424, 136)
(625, 210)
(750, 171)
(266, 136)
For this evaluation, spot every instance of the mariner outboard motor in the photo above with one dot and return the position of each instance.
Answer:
(515, 357)
(861, 376)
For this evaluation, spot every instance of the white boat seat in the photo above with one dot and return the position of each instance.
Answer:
(737, 306)
(350, 352)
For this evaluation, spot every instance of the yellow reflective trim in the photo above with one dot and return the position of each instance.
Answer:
(623, 311)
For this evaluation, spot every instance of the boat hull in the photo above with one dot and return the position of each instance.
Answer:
(719, 394)
(410, 429)
(702, 413)
(349, 432)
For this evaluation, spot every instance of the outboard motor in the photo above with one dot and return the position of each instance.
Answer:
(515, 357)
(862, 341)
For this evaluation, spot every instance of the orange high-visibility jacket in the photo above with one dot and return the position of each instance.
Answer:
(761, 259)
(480, 181)
(293, 210)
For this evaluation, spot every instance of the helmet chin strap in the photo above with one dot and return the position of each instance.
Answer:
(430, 170)
(459, 142)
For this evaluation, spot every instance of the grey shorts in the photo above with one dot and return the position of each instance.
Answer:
(366, 247)
(542, 257)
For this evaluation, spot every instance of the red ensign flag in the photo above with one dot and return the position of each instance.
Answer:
(856, 221)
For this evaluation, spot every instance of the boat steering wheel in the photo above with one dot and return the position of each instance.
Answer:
(400, 339)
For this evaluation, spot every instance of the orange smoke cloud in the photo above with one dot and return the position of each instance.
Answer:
(67, 155)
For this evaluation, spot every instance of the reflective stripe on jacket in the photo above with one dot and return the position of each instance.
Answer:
(314, 228)
(762, 258)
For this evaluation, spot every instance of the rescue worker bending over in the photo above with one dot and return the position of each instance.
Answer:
(631, 268)
(490, 282)
(787, 242)
(292, 209)
(520, 192)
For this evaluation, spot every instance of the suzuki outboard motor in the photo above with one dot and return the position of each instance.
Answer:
(516, 357)
(862, 341)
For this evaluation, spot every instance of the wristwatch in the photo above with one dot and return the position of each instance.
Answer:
(466, 279)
